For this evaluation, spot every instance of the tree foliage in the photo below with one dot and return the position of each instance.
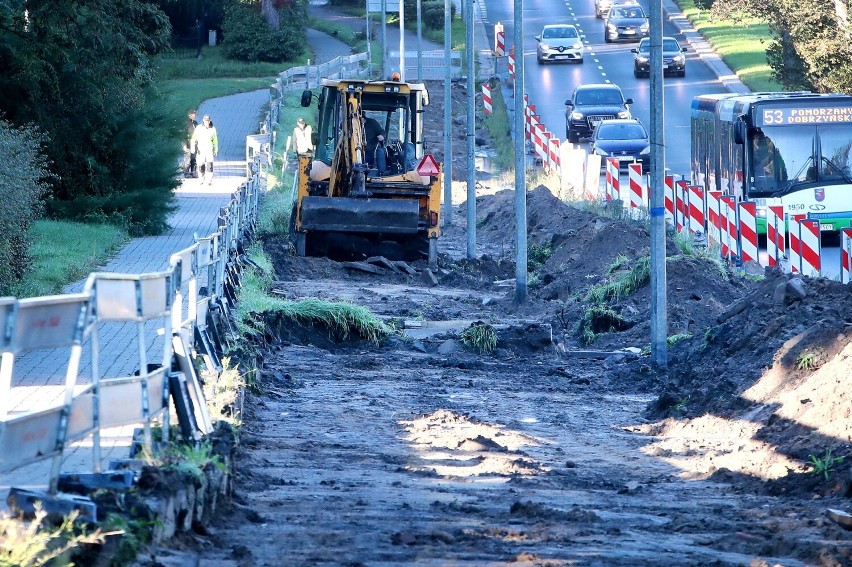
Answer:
(811, 48)
(82, 71)
(23, 176)
(250, 36)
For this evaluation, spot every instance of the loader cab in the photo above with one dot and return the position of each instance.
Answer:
(393, 108)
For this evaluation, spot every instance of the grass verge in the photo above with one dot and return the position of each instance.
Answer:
(63, 252)
(342, 320)
(741, 44)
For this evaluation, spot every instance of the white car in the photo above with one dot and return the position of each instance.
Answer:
(559, 42)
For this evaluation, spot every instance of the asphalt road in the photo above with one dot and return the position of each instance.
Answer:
(550, 84)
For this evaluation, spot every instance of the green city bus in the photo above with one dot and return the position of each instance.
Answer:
(792, 149)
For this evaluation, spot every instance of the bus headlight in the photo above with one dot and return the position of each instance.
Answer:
(761, 212)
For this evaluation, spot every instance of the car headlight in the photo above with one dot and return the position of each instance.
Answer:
(645, 151)
(576, 116)
(642, 59)
(643, 27)
(545, 46)
(679, 59)
(624, 114)
(600, 152)
(611, 27)
(578, 46)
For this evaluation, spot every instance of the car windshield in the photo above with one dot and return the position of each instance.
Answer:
(559, 33)
(603, 96)
(632, 12)
(670, 45)
(630, 131)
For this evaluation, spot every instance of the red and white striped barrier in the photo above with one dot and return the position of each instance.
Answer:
(613, 191)
(499, 40)
(486, 98)
(845, 255)
(669, 199)
(714, 223)
(681, 196)
(512, 66)
(554, 151)
(728, 226)
(748, 231)
(638, 189)
(775, 234)
(805, 247)
(539, 139)
(545, 148)
(696, 209)
(530, 114)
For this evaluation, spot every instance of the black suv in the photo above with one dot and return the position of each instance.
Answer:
(589, 105)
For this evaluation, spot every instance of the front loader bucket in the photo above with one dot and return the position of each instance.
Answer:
(345, 214)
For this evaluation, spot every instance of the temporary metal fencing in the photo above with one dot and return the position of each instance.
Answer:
(189, 303)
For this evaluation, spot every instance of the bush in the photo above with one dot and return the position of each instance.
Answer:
(23, 176)
(432, 13)
(248, 37)
(142, 171)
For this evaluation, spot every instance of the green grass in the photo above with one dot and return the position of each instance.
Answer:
(742, 45)
(499, 130)
(824, 465)
(481, 337)
(341, 319)
(624, 285)
(63, 252)
(214, 65)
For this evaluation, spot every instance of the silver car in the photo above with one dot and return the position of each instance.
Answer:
(559, 42)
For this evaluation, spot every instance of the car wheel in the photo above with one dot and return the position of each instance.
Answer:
(606, 38)
(636, 72)
(539, 60)
(580, 61)
(683, 73)
(573, 138)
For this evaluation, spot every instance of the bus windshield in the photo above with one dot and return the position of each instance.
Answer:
(784, 158)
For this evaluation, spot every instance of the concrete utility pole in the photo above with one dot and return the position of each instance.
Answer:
(448, 114)
(659, 314)
(471, 133)
(402, 76)
(419, 41)
(520, 160)
(384, 37)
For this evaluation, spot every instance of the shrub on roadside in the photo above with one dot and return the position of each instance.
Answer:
(248, 37)
(23, 176)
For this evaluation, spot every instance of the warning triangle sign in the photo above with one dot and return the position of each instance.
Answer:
(428, 167)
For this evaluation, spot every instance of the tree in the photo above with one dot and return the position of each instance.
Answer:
(811, 48)
(82, 71)
(23, 176)
(250, 33)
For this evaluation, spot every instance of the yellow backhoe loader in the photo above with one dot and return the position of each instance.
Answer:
(369, 188)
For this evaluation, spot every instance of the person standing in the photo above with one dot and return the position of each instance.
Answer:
(303, 137)
(206, 143)
(190, 164)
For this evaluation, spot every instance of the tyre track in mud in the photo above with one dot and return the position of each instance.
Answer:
(364, 455)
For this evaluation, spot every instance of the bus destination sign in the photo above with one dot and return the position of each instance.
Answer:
(792, 115)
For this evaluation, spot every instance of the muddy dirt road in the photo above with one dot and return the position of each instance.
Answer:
(423, 451)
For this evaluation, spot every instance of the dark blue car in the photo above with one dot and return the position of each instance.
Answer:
(626, 140)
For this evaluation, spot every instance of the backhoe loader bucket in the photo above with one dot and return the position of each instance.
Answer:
(345, 214)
